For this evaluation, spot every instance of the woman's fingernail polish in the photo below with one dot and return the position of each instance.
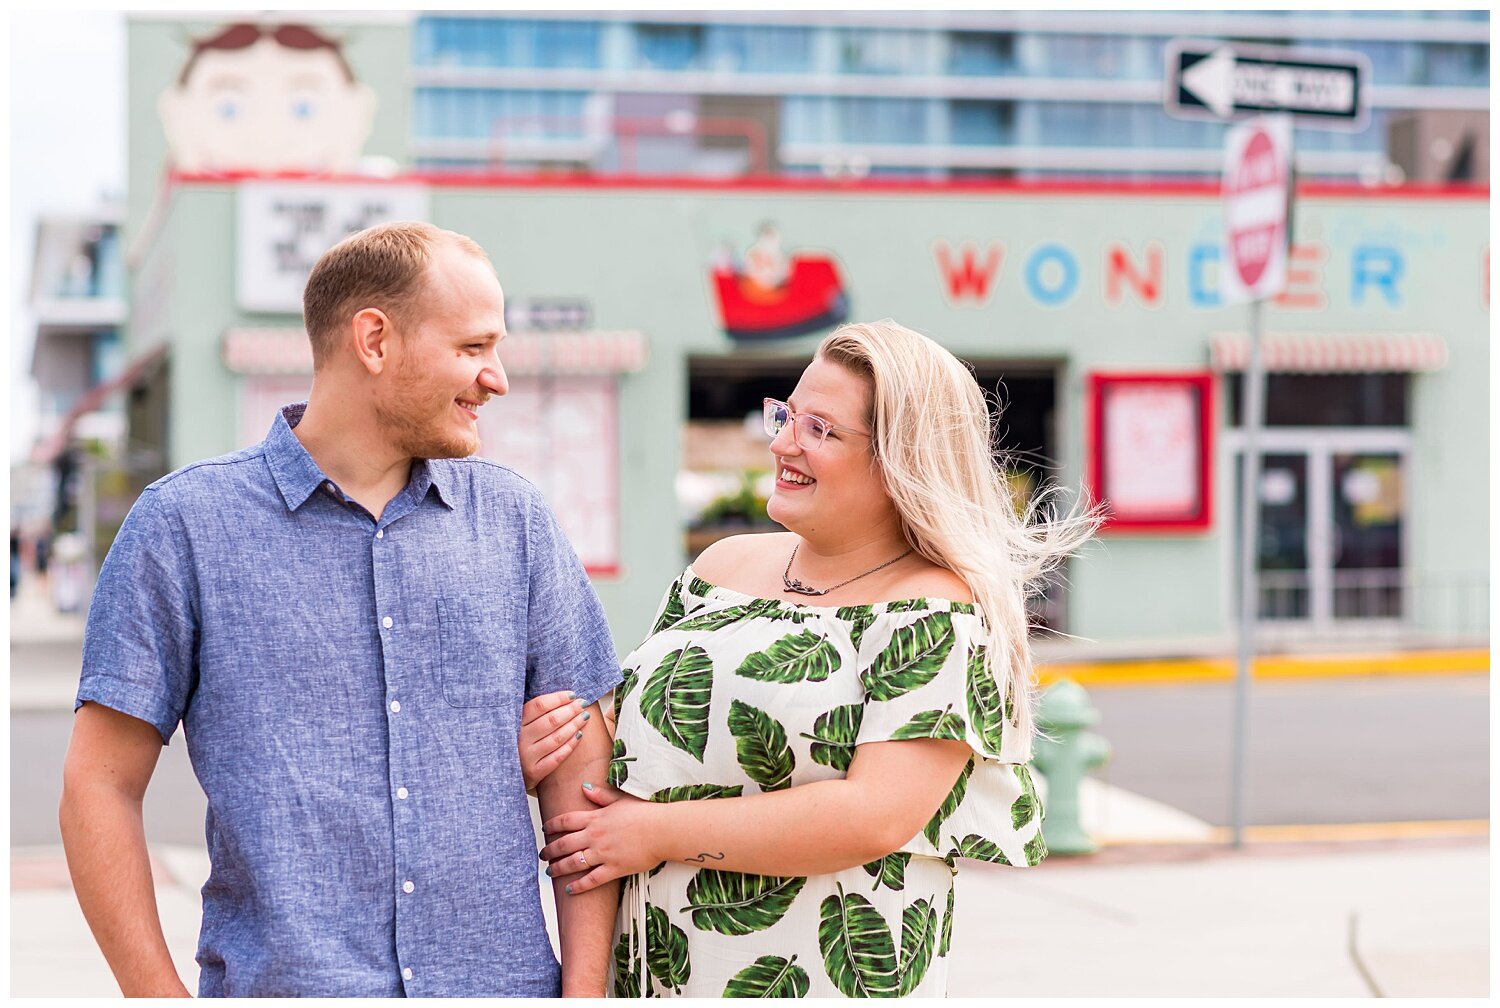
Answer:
(587, 715)
(572, 696)
(587, 786)
(579, 735)
(568, 889)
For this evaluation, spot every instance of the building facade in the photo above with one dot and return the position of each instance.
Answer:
(648, 317)
(942, 94)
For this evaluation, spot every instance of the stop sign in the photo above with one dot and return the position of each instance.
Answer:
(1257, 178)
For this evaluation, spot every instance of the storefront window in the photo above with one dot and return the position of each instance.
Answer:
(1329, 400)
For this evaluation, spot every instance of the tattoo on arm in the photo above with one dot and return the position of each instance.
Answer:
(701, 858)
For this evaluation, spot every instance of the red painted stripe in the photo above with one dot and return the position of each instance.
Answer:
(913, 187)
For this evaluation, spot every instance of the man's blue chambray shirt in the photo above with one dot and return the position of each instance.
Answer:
(351, 695)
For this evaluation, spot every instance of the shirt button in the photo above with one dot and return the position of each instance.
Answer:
(401, 793)
(395, 706)
(407, 886)
(406, 973)
(387, 622)
(380, 533)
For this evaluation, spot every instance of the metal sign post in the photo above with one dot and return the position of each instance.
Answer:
(1257, 226)
(1221, 80)
(1252, 406)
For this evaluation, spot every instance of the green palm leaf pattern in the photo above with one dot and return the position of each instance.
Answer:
(666, 950)
(720, 618)
(619, 773)
(978, 848)
(889, 871)
(950, 804)
(761, 747)
(673, 610)
(769, 977)
(732, 903)
(918, 932)
(798, 657)
(695, 792)
(859, 954)
(1028, 786)
(627, 965)
(906, 605)
(984, 702)
(675, 700)
(1035, 850)
(947, 941)
(834, 735)
(860, 617)
(629, 677)
(933, 724)
(912, 658)
(699, 587)
(1024, 808)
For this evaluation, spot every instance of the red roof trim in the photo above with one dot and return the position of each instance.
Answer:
(862, 187)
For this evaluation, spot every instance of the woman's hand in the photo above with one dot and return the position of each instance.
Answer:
(607, 843)
(551, 726)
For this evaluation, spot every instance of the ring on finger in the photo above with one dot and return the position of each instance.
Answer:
(583, 860)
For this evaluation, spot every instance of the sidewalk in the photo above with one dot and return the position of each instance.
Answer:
(1163, 910)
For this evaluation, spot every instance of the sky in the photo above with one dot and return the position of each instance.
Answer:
(67, 150)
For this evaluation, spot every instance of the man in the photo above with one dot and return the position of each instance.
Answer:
(346, 619)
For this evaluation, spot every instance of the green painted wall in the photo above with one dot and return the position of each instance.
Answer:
(376, 47)
(640, 258)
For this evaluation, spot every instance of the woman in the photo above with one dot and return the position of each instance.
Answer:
(823, 720)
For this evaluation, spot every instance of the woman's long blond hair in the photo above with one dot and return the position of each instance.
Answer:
(935, 443)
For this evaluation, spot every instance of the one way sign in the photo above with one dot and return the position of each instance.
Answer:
(1206, 79)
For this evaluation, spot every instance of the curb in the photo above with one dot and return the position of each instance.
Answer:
(1473, 661)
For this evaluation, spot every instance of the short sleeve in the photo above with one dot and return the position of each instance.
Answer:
(568, 644)
(925, 676)
(140, 642)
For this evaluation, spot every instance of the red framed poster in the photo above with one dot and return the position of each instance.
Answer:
(1151, 450)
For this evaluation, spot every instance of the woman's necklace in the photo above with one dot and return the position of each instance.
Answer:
(793, 585)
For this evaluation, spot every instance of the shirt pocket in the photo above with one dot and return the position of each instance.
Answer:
(482, 653)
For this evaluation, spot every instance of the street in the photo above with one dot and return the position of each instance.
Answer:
(1319, 751)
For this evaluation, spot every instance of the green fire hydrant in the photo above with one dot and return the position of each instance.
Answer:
(1063, 759)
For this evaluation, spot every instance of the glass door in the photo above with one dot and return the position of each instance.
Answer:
(1332, 551)
(1368, 509)
(1282, 556)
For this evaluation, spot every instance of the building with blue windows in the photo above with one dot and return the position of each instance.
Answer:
(941, 95)
(1079, 274)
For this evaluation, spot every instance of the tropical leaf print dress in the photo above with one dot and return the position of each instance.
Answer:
(733, 695)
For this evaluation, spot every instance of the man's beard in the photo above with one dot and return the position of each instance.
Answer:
(414, 424)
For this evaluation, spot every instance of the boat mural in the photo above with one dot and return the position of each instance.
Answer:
(772, 295)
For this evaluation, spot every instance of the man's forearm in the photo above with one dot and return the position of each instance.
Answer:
(585, 922)
(105, 841)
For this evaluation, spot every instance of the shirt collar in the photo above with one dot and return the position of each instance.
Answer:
(298, 476)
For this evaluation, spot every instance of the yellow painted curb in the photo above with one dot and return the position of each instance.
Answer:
(1170, 670)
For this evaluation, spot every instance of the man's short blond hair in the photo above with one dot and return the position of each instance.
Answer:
(380, 267)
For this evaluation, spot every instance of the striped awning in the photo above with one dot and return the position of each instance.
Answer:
(287, 352)
(1325, 352)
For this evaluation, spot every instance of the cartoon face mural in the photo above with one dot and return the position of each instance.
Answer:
(773, 295)
(266, 99)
